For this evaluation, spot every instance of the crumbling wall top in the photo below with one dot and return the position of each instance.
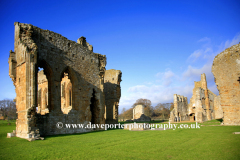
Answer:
(179, 98)
(25, 31)
(113, 76)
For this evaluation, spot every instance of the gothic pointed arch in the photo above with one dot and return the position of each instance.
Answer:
(46, 92)
(68, 81)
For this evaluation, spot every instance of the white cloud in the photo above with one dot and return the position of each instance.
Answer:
(228, 43)
(155, 93)
(205, 39)
(138, 89)
(194, 56)
(193, 73)
(203, 58)
(166, 77)
(168, 74)
(205, 52)
(234, 41)
(208, 49)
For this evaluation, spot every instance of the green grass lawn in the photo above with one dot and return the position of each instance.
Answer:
(208, 142)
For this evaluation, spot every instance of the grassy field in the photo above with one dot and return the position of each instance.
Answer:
(208, 142)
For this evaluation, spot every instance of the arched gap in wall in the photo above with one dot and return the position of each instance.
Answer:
(66, 92)
(44, 74)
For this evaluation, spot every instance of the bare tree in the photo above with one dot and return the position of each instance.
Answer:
(128, 114)
(8, 108)
(145, 102)
(123, 110)
(162, 110)
(121, 115)
(158, 109)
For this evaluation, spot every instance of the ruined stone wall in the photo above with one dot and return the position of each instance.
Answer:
(21, 70)
(191, 105)
(201, 106)
(112, 90)
(56, 54)
(212, 97)
(180, 111)
(180, 104)
(218, 108)
(172, 116)
(138, 110)
(226, 70)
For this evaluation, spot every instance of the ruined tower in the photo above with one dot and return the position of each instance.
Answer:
(202, 106)
(180, 110)
(112, 90)
(207, 103)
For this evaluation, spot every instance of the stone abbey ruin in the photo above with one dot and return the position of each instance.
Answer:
(201, 106)
(226, 70)
(72, 87)
(205, 105)
(138, 114)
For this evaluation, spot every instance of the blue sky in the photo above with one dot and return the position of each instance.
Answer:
(161, 47)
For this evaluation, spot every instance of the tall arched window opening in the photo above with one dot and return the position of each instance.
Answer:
(42, 91)
(66, 93)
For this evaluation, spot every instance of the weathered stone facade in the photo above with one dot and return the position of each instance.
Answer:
(138, 110)
(138, 114)
(218, 111)
(67, 65)
(112, 92)
(226, 70)
(180, 110)
(202, 106)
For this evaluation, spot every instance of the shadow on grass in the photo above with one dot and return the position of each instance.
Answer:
(97, 131)
(220, 120)
(90, 132)
(157, 121)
